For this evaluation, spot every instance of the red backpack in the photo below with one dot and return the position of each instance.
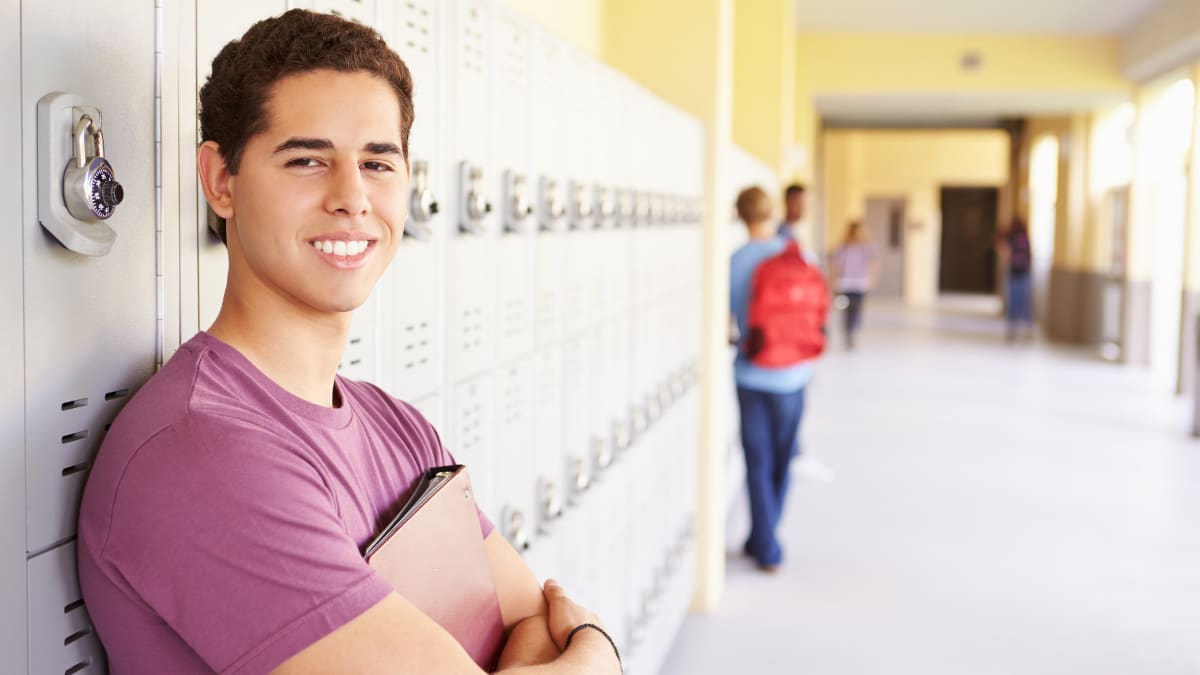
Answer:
(788, 303)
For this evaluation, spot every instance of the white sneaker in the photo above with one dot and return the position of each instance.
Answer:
(810, 468)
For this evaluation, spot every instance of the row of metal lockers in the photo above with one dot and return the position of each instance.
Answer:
(543, 309)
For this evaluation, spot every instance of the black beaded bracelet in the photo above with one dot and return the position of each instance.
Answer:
(581, 626)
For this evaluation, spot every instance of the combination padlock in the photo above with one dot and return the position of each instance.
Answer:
(90, 187)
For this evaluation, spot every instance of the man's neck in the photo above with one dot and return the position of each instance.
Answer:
(762, 230)
(298, 352)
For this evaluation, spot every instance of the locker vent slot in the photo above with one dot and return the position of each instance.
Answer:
(78, 468)
(71, 607)
(419, 28)
(76, 636)
(77, 403)
(77, 667)
(77, 436)
(113, 395)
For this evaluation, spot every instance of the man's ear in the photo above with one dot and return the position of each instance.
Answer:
(216, 179)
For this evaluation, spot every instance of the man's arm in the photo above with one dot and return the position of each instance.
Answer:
(394, 637)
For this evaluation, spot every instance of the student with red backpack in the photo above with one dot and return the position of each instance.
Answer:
(779, 301)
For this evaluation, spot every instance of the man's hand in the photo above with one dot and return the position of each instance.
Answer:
(565, 614)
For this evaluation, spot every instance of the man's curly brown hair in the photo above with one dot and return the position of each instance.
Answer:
(233, 100)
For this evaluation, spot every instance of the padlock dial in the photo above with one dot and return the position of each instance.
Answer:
(104, 192)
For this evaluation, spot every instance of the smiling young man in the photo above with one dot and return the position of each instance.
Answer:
(222, 525)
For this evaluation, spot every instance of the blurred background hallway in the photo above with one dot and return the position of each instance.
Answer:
(997, 508)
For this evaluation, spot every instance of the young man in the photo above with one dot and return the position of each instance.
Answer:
(222, 524)
(770, 400)
(793, 210)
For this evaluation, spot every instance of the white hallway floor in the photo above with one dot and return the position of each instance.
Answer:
(998, 509)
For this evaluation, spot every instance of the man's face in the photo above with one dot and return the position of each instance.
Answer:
(321, 196)
(794, 207)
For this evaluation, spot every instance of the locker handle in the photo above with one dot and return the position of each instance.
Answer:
(581, 478)
(621, 437)
(515, 530)
(422, 206)
(581, 207)
(520, 207)
(475, 204)
(602, 452)
(553, 208)
(551, 504)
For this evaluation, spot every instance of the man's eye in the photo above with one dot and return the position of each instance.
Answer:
(377, 166)
(302, 162)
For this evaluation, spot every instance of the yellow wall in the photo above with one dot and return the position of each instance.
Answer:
(579, 22)
(873, 62)
(913, 165)
(764, 80)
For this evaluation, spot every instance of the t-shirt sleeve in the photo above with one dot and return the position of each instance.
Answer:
(233, 539)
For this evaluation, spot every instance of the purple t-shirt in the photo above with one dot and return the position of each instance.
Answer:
(222, 525)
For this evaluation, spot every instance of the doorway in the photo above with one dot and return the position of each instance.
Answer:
(884, 223)
(968, 255)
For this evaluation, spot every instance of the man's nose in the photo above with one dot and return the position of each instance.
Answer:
(347, 192)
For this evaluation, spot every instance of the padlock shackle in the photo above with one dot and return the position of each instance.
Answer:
(81, 129)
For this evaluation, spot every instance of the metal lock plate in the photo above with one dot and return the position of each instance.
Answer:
(605, 206)
(519, 204)
(475, 205)
(551, 502)
(602, 452)
(422, 205)
(77, 188)
(581, 207)
(552, 207)
(515, 531)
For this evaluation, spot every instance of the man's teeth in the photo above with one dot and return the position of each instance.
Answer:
(342, 248)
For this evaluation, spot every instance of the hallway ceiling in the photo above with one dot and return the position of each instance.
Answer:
(1079, 17)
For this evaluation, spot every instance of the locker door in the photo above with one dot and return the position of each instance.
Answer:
(412, 291)
(514, 458)
(471, 249)
(12, 332)
(432, 409)
(89, 322)
(547, 483)
(510, 131)
(359, 362)
(471, 437)
(548, 136)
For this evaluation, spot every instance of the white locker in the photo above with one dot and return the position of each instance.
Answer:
(432, 409)
(547, 483)
(412, 292)
(513, 465)
(89, 321)
(470, 437)
(13, 582)
(512, 92)
(471, 249)
(361, 358)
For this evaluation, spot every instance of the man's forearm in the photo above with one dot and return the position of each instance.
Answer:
(589, 654)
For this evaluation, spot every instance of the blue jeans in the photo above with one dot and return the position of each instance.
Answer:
(1020, 298)
(770, 439)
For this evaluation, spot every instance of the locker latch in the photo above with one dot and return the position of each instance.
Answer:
(581, 207)
(77, 192)
(642, 209)
(581, 476)
(551, 204)
(422, 205)
(475, 204)
(626, 207)
(520, 205)
(605, 205)
(551, 503)
(515, 531)
(602, 452)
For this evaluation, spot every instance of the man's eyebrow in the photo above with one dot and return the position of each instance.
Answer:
(305, 144)
(383, 148)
